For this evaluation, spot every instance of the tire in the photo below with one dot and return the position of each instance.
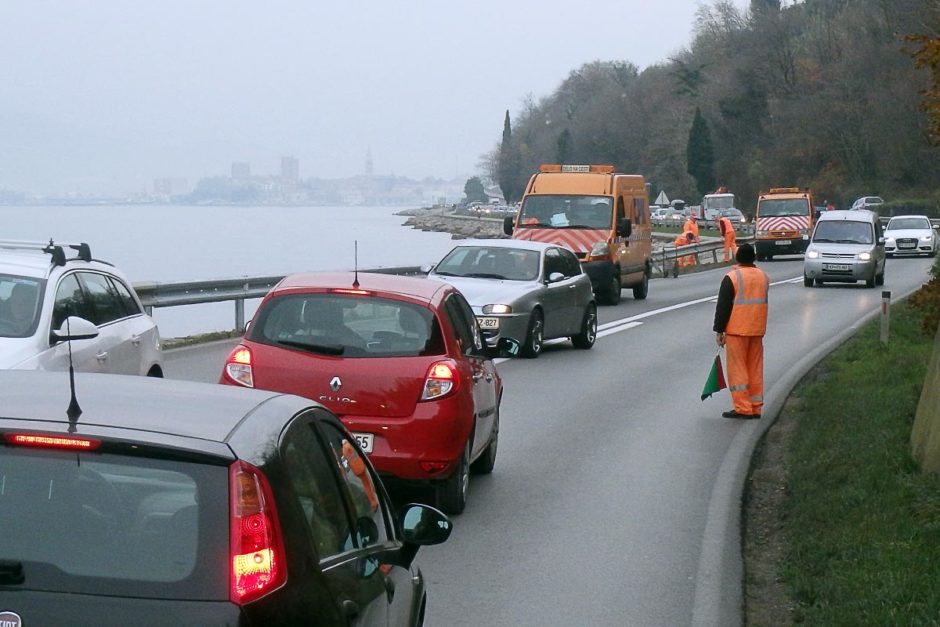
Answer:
(588, 335)
(807, 282)
(451, 494)
(485, 462)
(642, 289)
(612, 295)
(770, 257)
(889, 255)
(880, 278)
(872, 280)
(761, 256)
(819, 282)
(535, 335)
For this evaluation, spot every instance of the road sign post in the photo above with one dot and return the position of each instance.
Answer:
(885, 315)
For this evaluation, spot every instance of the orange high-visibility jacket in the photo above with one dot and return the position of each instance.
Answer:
(691, 225)
(726, 227)
(749, 313)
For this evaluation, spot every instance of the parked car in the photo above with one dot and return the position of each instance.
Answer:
(846, 246)
(195, 504)
(907, 235)
(400, 360)
(43, 293)
(870, 203)
(522, 290)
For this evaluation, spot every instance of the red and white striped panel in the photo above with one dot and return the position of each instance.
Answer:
(578, 240)
(783, 223)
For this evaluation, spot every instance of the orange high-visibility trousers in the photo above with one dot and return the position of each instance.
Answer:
(746, 372)
(730, 246)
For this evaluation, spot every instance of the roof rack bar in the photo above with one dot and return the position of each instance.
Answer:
(50, 247)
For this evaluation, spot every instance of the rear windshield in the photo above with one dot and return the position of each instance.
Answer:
(20, 304)
(572, 212)
(783, 207)
(843, 232)
(99, 523)
(346, 325)
(897, 224)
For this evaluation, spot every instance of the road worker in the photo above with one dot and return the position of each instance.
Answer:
(727, 231)
(691, 226)
(740, 324)
(685, 239)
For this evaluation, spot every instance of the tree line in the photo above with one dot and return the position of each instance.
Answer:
(834, 95)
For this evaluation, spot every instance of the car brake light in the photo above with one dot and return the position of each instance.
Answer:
(257, 549)
(39, 440)
(440, 380)
(238, 367)
(354, 292)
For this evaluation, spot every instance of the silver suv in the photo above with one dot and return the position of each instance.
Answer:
(46, 296)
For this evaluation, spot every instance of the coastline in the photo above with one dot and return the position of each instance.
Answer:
(441, 220)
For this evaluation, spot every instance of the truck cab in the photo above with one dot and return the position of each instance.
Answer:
(601, 215)
(783, 222)
(712, 204)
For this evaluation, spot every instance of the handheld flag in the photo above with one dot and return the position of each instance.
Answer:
(716, 379)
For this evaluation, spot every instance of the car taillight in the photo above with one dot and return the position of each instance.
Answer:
(238, 367)
(440, 381)
(41, 440)
(257, 549)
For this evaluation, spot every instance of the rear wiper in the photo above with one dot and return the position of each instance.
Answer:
(11, 572)
(325, 349)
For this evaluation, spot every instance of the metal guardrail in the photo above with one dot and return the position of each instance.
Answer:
(153, 295)
(668, 257)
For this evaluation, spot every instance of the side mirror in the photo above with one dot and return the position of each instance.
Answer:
(420, 525)
(508, 223)
(75, 328)
(426, 268)
(624, 227)
(881, 241)
(508, 347)
(555, 277)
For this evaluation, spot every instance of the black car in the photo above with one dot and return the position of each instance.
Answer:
(169, 502)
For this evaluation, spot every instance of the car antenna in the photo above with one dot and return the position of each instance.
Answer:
(356, 264)
(74, 411)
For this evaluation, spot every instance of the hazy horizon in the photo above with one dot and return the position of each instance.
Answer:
(105, 96)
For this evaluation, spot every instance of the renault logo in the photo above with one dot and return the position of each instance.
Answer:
(335, 384)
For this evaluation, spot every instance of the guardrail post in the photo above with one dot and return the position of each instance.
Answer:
(240, 315)
(885, 315)
(675, 264)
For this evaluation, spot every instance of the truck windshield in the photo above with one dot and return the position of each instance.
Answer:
(718, 202)
(783, 207)
(573, 212)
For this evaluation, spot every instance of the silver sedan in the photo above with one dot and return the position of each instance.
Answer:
(529, 292)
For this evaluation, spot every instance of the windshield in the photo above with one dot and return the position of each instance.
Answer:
(573, 212)
(897, 224)
(348, 326)
(731, 213)
(20, 304)
(147, 527)
(718, 202)
(512, 264)
(843, 232)
(783, 207)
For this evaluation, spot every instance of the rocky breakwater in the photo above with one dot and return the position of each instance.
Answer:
(443, 220)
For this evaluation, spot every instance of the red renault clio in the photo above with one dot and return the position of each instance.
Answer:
(399, 359)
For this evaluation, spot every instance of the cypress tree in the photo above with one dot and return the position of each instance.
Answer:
(700, 154)
(508, 162)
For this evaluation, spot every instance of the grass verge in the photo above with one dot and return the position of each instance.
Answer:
(859, 524)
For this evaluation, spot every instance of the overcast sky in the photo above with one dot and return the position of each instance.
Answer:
(106, 95)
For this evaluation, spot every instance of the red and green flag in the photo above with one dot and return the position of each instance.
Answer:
(716, 379)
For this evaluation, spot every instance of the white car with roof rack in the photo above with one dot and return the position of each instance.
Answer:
(45, 294)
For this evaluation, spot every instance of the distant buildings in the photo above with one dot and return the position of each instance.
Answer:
(171, 187)
(290, 169)
(241, 170)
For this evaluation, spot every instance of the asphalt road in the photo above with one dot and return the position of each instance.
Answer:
(616, 494)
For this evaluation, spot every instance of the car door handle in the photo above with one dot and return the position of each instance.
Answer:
(350, 608)
(135, 340)
(571, 287)
(102, 356)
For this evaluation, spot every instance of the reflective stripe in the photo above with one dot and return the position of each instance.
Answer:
(738, 388)
(754, 399)
(753, 301)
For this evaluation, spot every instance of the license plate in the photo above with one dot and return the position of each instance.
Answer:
(906, 245)
(488, 323)
(784, 242)
(836, 266)
(364, 440)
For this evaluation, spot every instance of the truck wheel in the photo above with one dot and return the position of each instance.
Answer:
(535, 336)
(585, 339)
(641, 289)
(613, 289)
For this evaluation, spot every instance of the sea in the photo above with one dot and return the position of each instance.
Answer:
(173, 243)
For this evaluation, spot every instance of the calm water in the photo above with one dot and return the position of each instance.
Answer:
(173, 243)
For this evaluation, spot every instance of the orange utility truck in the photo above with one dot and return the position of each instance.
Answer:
(601, 215)
(783, 222)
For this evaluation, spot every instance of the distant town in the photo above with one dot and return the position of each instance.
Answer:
(243, 187)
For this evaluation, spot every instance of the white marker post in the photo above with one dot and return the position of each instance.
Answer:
(885, 315)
